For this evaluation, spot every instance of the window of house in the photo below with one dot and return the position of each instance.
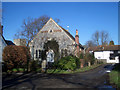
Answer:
(50, 31)
(112, 57)
(39, 53)
(118, 51)
(36, 53)
(99, 57)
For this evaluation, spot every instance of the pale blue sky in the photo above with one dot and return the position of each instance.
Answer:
(87, 17)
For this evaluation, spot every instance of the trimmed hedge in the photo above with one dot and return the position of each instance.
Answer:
(16, 56)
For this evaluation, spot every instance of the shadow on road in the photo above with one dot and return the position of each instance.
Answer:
(75, 80)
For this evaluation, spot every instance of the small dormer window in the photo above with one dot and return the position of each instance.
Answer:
(50, 31)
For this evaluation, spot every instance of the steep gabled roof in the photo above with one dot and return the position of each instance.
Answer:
(68, 33)
(63, 30)
(71, 37)
(104, 48)
(8, 42)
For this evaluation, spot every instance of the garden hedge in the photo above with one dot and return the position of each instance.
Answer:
(15, 56)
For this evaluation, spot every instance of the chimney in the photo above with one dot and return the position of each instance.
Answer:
(1, 29)
(77, 42)
(77, 37)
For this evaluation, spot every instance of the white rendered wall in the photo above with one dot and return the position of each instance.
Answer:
(106, 55)
(2, 45)
(102, 55)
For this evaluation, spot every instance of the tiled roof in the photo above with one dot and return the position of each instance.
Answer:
(68, 33)
(8, 42)
(104, 48)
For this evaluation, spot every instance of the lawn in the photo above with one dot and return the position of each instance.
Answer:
(115, 76)
(58, 71)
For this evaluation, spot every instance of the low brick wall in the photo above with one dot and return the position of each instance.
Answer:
(82, 63)
(102, 60)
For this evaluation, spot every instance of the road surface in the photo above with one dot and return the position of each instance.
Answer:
(95, 78)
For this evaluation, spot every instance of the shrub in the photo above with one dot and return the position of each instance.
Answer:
(15, 56)
(21, 69)
(68, 63)
(89, 58)
(39, 70)
(34, 65)
(14, 70)
(81, 56)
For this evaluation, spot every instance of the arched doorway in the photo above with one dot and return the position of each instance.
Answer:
(53, 46)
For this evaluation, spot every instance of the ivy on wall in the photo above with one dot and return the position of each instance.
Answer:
(53, 44)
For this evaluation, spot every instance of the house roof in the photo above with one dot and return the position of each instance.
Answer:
(71, 37)
(104, 48)
(8, 42)
(65, 32)
(68, 33)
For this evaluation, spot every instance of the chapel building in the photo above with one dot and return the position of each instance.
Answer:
(56, 39)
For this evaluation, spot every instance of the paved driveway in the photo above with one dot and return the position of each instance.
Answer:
(91, 79)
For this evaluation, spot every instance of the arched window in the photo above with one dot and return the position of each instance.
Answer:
(36, 53)
(51, 31)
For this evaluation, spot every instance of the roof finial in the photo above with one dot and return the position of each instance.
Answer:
(67, 28)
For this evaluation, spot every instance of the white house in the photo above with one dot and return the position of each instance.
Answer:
(109, 54)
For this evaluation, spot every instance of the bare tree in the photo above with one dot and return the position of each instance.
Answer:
(90, 43)
(31, 27)
(101, 38)
(96, 37)
(104, 38)
(57, 20)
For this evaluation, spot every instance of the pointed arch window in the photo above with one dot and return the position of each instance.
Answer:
(51, 31)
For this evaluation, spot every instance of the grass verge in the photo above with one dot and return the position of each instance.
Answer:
(115, 76)
(58, 71)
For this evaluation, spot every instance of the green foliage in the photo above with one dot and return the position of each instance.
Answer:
(34, 65)
(64, 52)
(15, 56)
(115, 75)
(53, 44)
(68, 63)
(81, 55)
(14, 70)
(39, 70)
(89, 58)
(75, 71)
(20, 69)
(111, 43)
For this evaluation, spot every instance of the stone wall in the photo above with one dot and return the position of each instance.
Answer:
(20, 42)
(52, 31)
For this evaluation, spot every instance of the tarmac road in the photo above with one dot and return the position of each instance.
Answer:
(95, 78)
